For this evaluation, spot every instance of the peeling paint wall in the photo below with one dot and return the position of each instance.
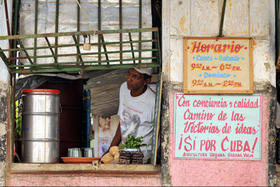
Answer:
(243, 18)
(4, 74)
(4, 93)
(3, 130)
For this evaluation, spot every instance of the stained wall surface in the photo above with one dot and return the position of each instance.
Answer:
(82, 180)
(4, 74)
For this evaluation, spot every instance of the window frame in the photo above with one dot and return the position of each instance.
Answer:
(16, 68)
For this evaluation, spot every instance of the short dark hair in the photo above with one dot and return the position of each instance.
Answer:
(146, 76)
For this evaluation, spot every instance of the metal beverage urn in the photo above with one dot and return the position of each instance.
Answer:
(40, 125)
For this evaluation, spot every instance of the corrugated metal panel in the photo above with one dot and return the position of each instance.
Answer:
(105, 92)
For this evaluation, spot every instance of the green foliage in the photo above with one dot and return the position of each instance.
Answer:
(18, 119)
(18, 124)
(133, 143)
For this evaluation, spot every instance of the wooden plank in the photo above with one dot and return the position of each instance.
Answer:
(157, 121)
(133, 168)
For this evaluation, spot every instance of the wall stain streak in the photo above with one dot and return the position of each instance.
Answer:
(182, 24)
(3, 148)
(3, 109)
(270, 92)
(165, 128)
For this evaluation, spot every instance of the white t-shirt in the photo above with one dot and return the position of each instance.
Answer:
(137, 117)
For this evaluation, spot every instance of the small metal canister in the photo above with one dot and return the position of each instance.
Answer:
(74, 152)
(88, 152)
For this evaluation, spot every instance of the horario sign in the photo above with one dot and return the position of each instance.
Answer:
(218, 65)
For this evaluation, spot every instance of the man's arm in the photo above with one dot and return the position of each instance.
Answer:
(117, 138)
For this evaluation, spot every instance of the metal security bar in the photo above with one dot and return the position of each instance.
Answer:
(41, 63)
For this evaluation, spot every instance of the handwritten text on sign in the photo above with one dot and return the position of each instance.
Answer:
(216, 66)
(217, 127)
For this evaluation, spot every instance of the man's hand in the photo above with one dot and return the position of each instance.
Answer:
(116, 140)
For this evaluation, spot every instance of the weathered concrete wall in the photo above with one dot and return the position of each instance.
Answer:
(4, 93)
(82, 180)
(4, 74)
(243, 18)
(3, 131)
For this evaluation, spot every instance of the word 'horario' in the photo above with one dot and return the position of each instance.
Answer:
(216, 48)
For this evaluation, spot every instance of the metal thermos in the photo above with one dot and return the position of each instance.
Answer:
(40, 125)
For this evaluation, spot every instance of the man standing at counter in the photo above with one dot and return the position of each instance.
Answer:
(136, 110)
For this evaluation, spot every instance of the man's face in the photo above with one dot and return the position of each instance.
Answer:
(135, 80)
